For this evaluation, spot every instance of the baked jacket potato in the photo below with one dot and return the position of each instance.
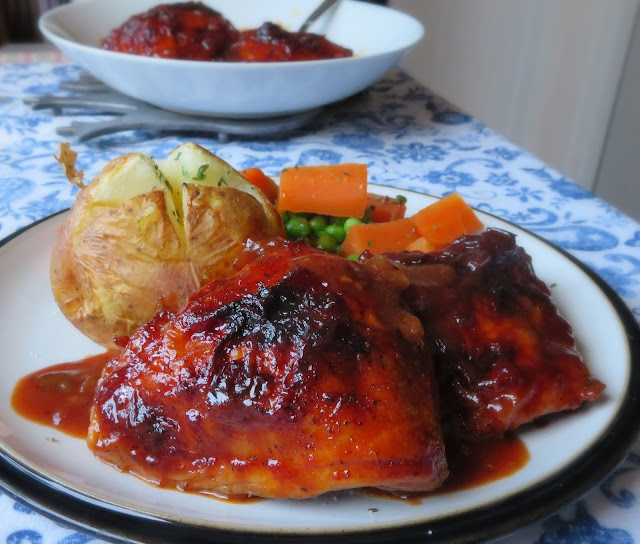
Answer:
(144, 235)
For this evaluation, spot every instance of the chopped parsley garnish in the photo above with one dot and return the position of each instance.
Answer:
(185, 173)
(164, 180)
(223, 181)
(177, 157)
(200, 175)
(401, 199)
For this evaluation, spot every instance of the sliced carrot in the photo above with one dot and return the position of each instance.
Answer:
(446, 220)
(339, 190)
(380, 237)
(420, 244)
(262, 182)
(385, 208)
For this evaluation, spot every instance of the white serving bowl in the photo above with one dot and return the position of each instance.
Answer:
(378, 36)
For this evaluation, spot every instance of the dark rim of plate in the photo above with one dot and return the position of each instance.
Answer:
(471, 526)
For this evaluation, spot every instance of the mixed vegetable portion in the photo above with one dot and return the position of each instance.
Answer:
(329, 207)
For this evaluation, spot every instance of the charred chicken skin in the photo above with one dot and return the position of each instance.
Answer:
(193, 31)
(302, 374)
(504, 356)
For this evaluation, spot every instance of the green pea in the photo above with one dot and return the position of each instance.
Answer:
(338, 221)
(336, 232)
(318, 223)
(299, 215)
(353, 257)
(350, 222)
(285, 216)
(297, 228)
(326, 243)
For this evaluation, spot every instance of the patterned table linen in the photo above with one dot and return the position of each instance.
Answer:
(410, 139)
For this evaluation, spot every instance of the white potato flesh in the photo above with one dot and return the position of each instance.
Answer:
(121, 179)
(191, 163)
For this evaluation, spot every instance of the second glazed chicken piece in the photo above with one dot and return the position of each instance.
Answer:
(301, 375)
(272, 43)
(504, 354)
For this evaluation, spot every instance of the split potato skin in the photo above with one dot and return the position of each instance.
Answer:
(217, 223)
(138, 240)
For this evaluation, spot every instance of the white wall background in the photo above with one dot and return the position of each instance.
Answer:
(544, 73)
(618, 179)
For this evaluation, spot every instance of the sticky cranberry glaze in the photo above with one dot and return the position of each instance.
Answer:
(193, 31)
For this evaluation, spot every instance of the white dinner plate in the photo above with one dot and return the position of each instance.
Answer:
(57, 474)
(378, 36)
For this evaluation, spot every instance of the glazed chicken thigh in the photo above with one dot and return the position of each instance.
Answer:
(306, 373)
(272, 43)
(503, 353)
(194, 31)
(302, 374)
(188, 30)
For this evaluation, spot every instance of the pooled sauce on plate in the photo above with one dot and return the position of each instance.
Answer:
(61, 396)
(471, 464)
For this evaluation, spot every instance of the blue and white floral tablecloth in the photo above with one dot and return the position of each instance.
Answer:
(411, 139)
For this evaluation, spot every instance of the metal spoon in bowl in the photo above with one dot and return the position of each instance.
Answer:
(316, 14)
